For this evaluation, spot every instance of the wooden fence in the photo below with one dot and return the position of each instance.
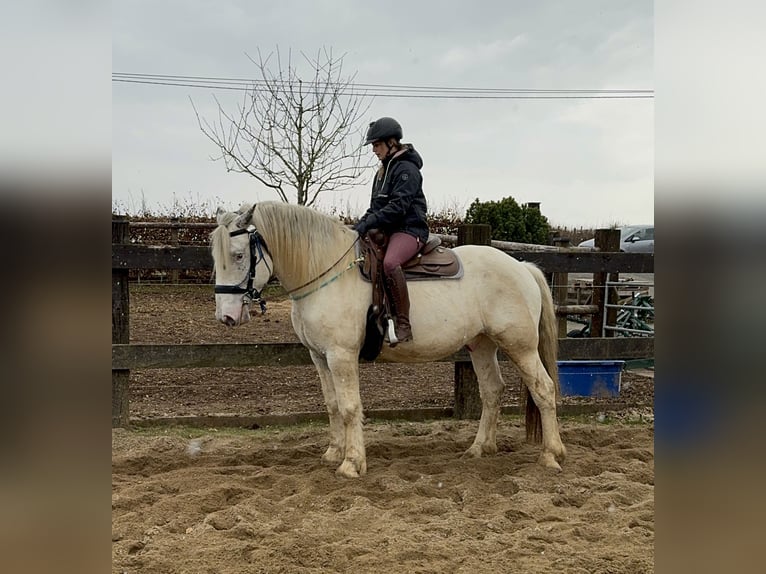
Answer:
(556, 262)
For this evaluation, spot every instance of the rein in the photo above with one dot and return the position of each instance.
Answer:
(251, 295)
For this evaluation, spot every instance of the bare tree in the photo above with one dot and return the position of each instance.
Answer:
(292, 134)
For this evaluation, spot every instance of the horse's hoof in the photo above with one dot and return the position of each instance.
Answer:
(332, 455)
(348, 470)
(549, 461)
(473, 452)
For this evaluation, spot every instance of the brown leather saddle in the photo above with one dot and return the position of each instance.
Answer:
(433, 261)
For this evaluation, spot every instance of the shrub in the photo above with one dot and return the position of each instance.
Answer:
(510, 221)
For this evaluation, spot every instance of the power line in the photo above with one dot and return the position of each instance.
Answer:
(383, 90)
(437, 88)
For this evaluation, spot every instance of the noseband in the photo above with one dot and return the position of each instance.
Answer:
(251, 295)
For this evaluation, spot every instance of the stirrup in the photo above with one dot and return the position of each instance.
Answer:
(392, 340)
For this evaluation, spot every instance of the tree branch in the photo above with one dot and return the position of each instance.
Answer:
(291, 132)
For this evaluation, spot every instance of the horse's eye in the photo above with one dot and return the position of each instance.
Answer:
(239, 256)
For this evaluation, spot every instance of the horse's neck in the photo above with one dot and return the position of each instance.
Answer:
(312, 258)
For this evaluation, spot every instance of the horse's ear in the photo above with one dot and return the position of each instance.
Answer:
(219, 213)
(244, 219)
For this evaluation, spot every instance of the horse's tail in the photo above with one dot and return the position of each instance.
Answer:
(547, 347)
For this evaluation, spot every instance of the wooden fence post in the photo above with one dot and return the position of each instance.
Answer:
(560, 283)
(120, 326)
(174, 224)
(467, 398)
(605, 240)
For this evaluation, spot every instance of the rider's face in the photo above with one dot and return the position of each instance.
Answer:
(380, 149)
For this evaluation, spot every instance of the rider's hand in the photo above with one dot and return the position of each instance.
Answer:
(377, 236)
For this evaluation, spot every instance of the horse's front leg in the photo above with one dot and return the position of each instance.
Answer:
(484, 359)
(334, 452)
(344, 366)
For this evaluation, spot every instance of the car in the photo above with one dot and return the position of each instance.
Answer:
(633, 239)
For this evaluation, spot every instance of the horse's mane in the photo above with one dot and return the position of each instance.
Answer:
(302, 241)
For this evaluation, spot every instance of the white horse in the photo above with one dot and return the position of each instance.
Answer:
(499, 302)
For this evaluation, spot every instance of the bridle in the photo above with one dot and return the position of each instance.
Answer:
(257, 247)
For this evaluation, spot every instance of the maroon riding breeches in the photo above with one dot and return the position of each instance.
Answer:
(401, 248)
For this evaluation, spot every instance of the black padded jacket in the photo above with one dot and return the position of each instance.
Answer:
(398, 202)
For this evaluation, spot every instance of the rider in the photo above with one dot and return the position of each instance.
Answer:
(398, 210)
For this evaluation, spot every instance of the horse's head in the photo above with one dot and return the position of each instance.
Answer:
(242, 266)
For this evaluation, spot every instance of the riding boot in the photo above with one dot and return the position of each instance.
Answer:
(397, 288)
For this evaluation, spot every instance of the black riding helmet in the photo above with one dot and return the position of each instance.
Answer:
(382, 129)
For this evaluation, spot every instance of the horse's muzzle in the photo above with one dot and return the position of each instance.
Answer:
(231, 320)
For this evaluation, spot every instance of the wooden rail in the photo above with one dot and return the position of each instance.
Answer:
(126, 357)
(134, 256)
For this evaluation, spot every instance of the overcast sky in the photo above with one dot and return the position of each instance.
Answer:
(588, 161)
